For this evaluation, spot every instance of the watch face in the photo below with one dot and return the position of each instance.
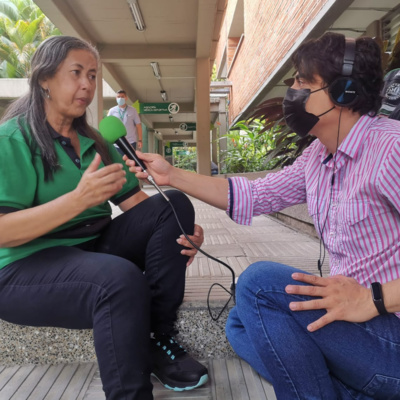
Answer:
(376, 291)
(377, 297)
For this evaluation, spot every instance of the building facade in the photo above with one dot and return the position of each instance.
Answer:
(258, 38)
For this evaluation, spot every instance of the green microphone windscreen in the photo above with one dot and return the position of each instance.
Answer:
(112, 128)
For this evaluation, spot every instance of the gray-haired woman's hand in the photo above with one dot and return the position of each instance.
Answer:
(98, 185)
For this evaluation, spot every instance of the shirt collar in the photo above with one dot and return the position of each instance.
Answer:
(53, 132)
(85, 142)
(56, 135)
(357, 136)
(353, 141)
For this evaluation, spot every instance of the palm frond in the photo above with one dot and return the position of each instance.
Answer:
(8, 10)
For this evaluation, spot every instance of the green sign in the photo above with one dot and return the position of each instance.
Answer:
(187, 126)
(168, 151)
(158, 108)
(170, 145)
(175, 144)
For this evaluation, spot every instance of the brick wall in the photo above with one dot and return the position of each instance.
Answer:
(271, 28)
(230, 9)
(231, 49)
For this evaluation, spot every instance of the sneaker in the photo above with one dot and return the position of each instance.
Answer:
(173, 367)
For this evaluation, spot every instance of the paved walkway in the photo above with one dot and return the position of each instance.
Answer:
(230, 378)
(239, 246)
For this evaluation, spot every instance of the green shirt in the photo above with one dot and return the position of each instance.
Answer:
(22, 186)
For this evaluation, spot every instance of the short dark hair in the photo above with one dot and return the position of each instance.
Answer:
(121, 91)
(324, 57)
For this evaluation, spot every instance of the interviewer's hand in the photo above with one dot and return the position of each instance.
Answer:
(197, 238)
(98, 185)
(343, 298)
(156, 166)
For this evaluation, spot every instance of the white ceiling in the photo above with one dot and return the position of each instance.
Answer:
(177, 33)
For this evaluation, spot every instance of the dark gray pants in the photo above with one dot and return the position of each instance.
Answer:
(101, 285)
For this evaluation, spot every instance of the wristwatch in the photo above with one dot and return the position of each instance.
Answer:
(377, 297)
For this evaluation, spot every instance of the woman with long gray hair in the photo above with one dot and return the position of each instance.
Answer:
(63, 261)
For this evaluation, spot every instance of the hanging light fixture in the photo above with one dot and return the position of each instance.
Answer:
(164, 95)
(156, 69)
(137, 15)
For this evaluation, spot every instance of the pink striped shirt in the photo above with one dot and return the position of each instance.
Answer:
(358, 215)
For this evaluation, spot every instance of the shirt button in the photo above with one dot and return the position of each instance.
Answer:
(77, 160)
(63, 142)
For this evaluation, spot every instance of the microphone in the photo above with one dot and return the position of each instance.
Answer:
(113, 131)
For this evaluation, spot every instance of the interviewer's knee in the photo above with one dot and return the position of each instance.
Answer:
(262, 275)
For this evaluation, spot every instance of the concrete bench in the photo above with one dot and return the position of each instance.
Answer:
(199, 334)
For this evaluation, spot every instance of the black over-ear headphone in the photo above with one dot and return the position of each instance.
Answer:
(343, 91)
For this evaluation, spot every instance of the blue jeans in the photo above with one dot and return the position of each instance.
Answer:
(342, 360)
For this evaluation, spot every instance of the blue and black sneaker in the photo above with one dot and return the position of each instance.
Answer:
(175, 368)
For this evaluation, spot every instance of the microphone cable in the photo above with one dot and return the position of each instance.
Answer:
(113, 123)
(113, 130)
(321, 232)
(232, 290)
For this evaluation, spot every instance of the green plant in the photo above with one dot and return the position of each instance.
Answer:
(185, 158)
(23, 27)
(248, 144)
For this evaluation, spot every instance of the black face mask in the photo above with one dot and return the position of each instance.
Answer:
(294, 111)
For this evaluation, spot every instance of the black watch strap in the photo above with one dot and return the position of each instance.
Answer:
(377, 297)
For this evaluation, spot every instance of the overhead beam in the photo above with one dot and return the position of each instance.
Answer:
(185, 108)
(167, 125)
(214, 107)
(205, 27)
(219, 19)
(62, 15)
(174, 138)
(220, 84)
(208, 29)
(116, 83)
(119, 52)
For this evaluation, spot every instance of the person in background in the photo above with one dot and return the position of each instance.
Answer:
(315, 337)
(63, 261)
(130, 117)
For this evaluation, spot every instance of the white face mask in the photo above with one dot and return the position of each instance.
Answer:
(120, 101)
